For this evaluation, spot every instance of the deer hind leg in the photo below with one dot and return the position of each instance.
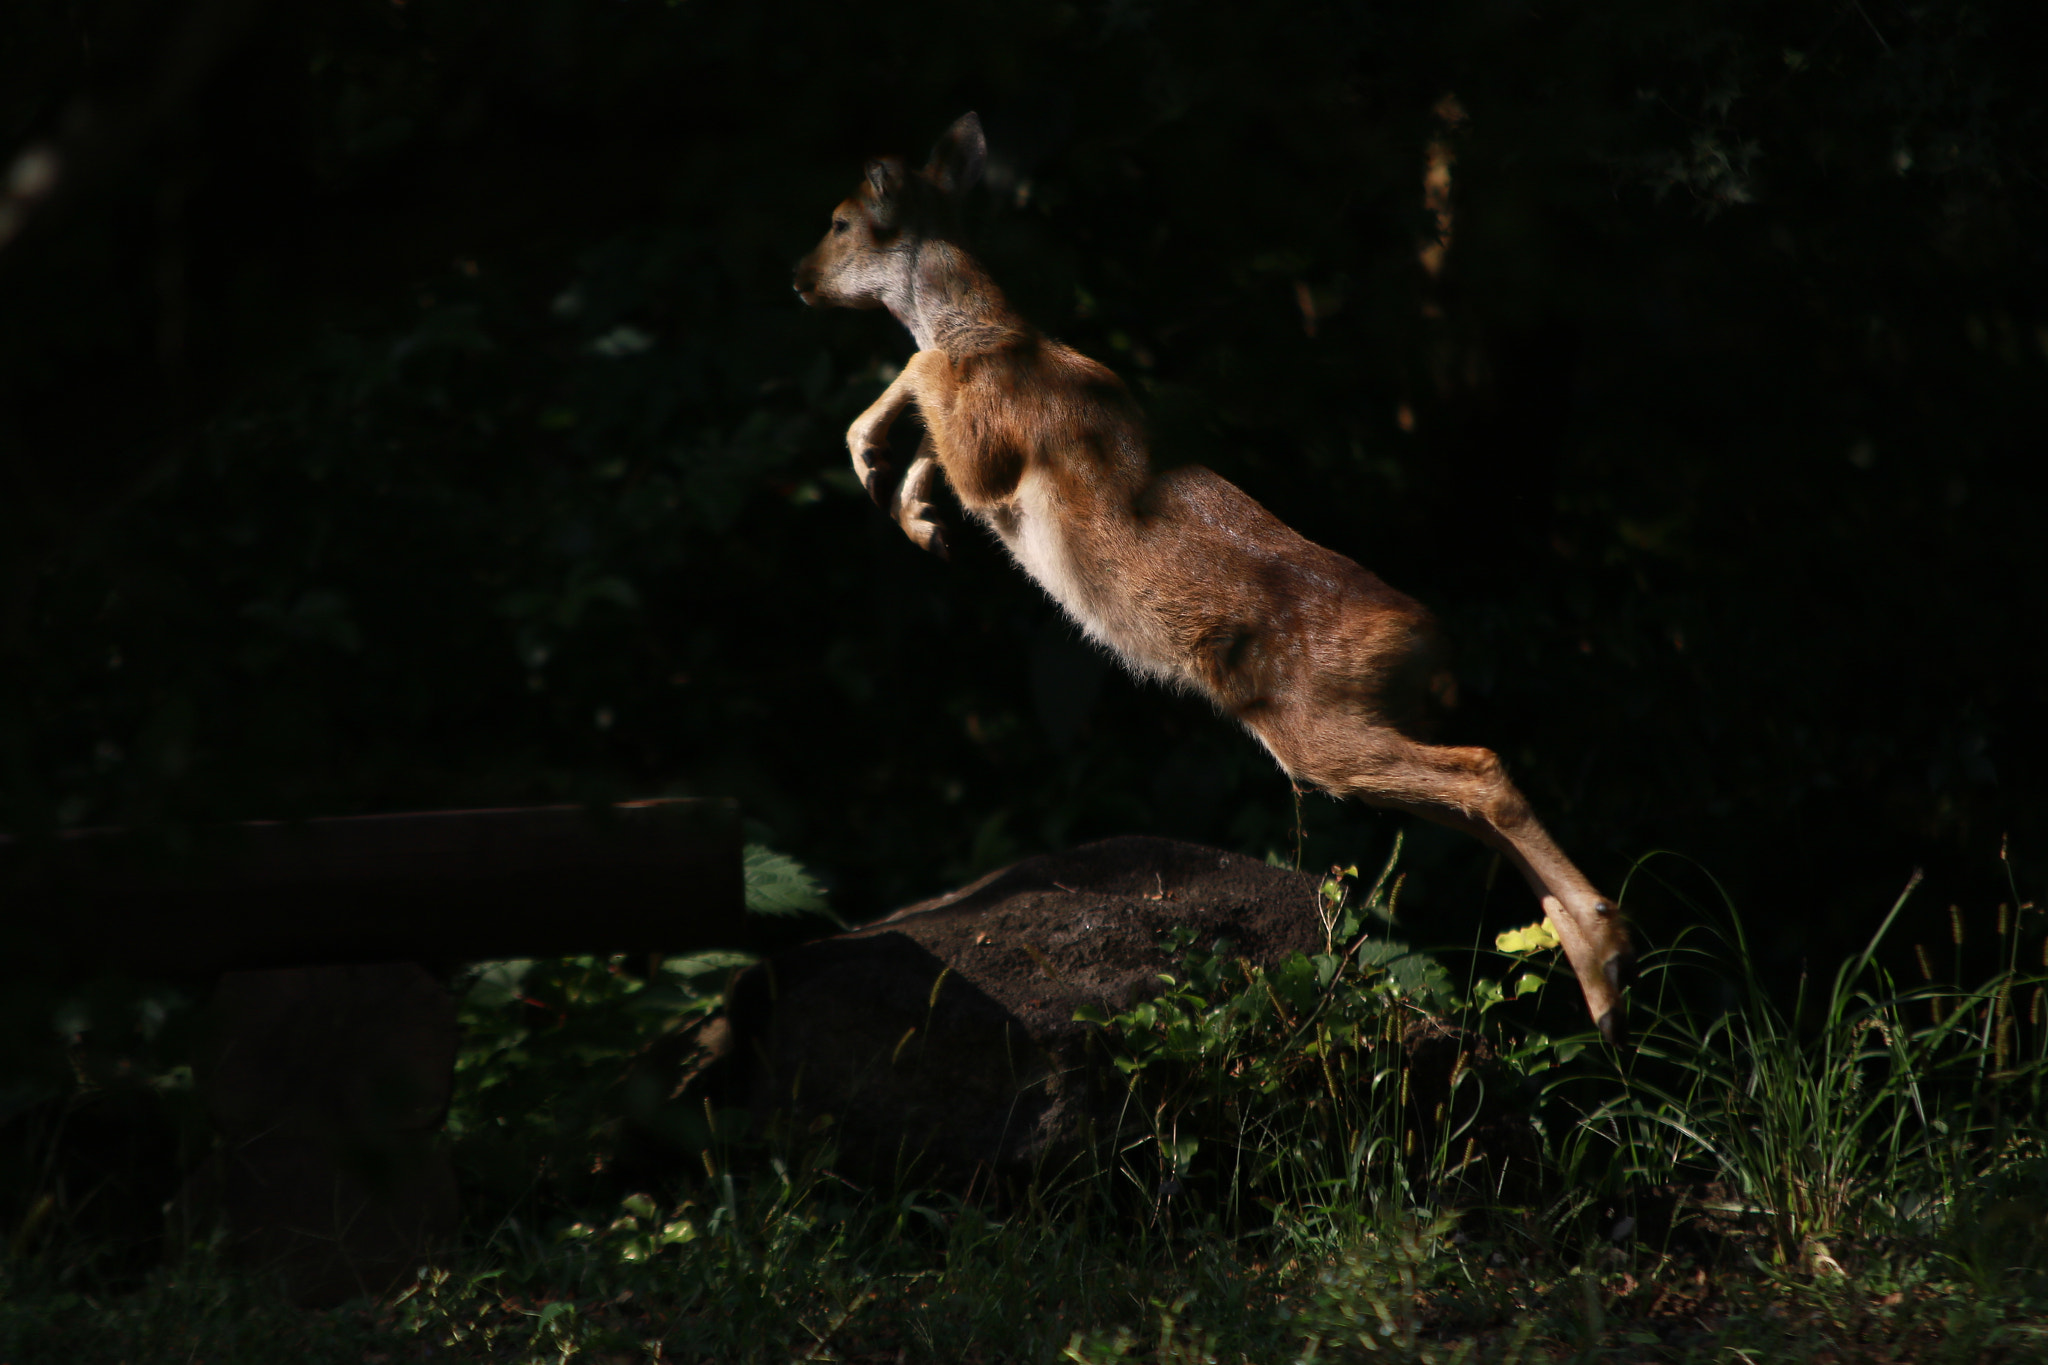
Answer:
(1468, 789)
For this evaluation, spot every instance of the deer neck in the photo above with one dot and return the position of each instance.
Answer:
(952, 305)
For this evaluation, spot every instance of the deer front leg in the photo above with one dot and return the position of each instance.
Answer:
(912, 507)
(908, 501)
(868, 437)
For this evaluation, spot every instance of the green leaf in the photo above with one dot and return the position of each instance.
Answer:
(707, 962)
(498, 983)
(1531, 938)
(777, 884)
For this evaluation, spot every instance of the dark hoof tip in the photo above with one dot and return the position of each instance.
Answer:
(1614, 1027)
(1620, 972)
(939, 547)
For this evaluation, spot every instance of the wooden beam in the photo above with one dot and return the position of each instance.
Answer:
(435, 887)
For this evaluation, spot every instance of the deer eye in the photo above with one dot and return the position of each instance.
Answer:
(840, 225)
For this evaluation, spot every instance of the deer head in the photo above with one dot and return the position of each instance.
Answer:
(868, 257)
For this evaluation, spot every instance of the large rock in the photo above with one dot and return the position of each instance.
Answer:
(941, 1040)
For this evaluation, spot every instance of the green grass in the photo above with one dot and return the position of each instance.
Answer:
(1855, 1172)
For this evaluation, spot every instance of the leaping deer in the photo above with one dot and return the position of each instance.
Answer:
(1178, 573)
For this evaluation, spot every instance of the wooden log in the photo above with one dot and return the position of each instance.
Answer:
(435, 887)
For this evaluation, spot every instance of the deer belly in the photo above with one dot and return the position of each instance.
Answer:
(1089, 588)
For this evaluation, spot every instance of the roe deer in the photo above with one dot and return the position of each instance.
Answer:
(1181, 575)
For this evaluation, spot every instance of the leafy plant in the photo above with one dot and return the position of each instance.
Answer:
(1352, 1078)
(542, 1101)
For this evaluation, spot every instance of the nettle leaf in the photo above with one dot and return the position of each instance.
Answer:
(1412, 974)
(777, 884)
(1420, 977)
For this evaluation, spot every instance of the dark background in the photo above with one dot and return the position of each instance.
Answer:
(405, 406)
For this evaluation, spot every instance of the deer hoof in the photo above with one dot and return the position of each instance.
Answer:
(1613, 1027)
(875, 476)
(927, 534)
(1620, 972)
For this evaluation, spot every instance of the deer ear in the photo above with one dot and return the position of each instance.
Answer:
(885, 179)
(959, 156)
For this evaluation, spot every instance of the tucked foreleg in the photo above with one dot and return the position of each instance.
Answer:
(908, 500)
(912, 504)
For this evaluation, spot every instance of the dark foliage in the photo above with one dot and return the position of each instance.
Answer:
(404, 405)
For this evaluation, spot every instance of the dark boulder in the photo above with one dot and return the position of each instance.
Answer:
(939, 1043)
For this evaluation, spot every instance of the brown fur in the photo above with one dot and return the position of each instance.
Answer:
(1180, 573)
